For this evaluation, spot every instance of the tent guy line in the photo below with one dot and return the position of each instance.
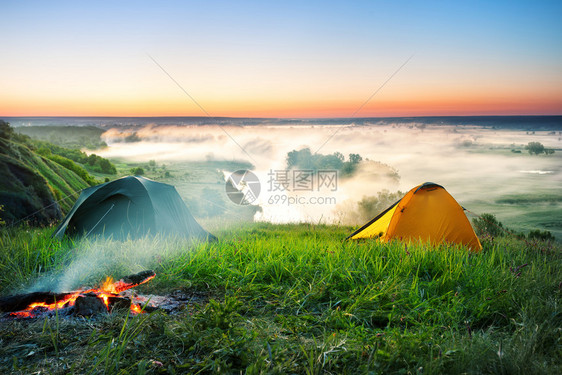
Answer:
(365, 102)
(200, 106)
(99, 221)
(44, 208)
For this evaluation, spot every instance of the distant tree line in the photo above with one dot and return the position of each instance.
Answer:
(73, 137)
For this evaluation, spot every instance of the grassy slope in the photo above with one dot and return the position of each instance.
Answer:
(63, 181)
(60, 181)
(296, 299)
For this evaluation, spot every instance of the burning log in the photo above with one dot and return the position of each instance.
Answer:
(131, 281)
(120, 303)
(89, 304)
(22, 301)
(84, 302)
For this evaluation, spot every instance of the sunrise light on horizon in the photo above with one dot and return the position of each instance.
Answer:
(292, 59)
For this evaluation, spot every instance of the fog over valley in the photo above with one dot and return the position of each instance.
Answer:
(486, 169)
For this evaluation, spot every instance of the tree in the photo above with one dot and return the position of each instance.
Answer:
(92, 159)
(535, 148)
(138, 171)
(355, 158)
(6, 131)
(488, 225)
(106, 166)
(305, 160)
(301, 159)
(329, 162)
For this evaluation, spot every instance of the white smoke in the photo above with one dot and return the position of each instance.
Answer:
(94, 259)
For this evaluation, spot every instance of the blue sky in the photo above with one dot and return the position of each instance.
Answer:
(283, 59)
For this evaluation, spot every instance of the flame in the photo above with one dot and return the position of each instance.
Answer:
(109, 285)
(136, 309)
(109, 288)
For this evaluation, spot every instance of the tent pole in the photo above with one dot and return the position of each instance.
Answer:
(94, 227)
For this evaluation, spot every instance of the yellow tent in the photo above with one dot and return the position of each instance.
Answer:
(426, 213)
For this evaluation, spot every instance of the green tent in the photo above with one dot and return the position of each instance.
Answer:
(132, 207)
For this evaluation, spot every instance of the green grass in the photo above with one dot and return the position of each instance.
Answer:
(294, 299)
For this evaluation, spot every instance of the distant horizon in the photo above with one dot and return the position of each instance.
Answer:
(281, 118)
(522, 122)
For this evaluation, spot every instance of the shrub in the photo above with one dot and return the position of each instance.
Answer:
(369, 207)
(106, 167)
(488, 225)
(537, 148)
(540, 235)
(6, 131)
(138, 171)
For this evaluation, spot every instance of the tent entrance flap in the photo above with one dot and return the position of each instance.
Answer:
(378, 227)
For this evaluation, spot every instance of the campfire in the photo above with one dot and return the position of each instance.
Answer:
(108, 297)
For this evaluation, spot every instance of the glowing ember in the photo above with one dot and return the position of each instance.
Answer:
(107, 292)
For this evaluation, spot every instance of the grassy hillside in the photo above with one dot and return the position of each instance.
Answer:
(294, 299)
(30, 182)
